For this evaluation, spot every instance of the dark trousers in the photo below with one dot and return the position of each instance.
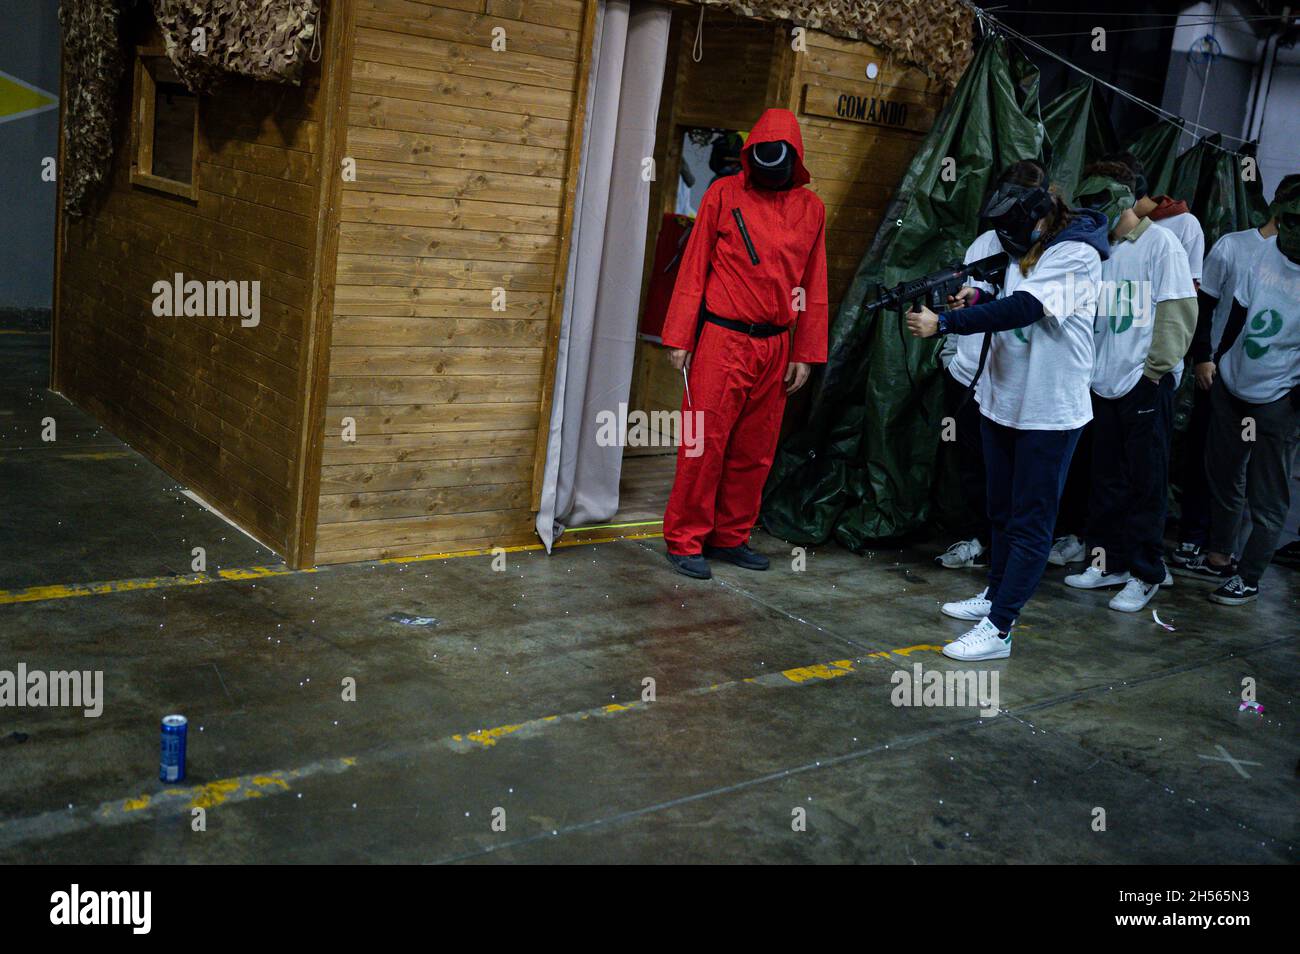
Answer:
(1025, 473)
(1244, 467)
(1072, 518)
(970, 457)
(1194, 524)
(1130, 479)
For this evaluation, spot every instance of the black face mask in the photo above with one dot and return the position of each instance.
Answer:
(771, 164)
(1013, 212)
(1140, 186)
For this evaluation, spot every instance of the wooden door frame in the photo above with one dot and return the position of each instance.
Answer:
(314, 361)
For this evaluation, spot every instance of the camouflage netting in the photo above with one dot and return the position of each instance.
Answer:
(933, 35)
(92, 66)
(260, 39)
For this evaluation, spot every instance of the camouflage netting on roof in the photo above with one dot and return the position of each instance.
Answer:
(92, 66)
(260, 39)
(933, 35)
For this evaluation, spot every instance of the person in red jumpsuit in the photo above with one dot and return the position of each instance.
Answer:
(747, 318)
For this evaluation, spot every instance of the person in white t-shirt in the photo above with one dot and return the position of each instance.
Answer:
(1033, 393)
(1146, 313)
(1166, 212)
(960, 355)
(1227, 260)
(1255, 414)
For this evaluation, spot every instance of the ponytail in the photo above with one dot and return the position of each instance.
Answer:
(1057, 220)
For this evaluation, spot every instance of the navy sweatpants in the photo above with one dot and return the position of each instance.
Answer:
(1025, 473)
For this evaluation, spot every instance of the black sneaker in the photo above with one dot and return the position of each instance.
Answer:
(1200, 568)
(1288, 555)
(741, 556)
(1184, 553)
(693, 565)
(1235, 592)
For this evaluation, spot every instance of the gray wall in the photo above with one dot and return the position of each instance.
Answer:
(1278, 153)
(29, 50)
(1226, 91)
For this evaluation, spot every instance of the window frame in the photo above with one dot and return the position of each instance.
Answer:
(144, 97)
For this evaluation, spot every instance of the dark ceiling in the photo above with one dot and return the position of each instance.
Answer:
(1138, 39)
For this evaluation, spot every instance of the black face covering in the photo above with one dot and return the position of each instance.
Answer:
(1013, 211)
(1140, 187)
(771, 164)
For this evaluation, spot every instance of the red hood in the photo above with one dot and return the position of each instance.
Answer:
(1167, 208)
(773, 126)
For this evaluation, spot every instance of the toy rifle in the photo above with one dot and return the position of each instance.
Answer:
(933, 290)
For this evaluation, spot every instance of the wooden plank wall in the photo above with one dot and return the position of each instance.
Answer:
(216, 405)
(461, 158)
(855, 167)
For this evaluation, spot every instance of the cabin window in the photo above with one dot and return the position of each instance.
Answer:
(165, 128)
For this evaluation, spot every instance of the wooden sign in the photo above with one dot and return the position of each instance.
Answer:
(879, 106)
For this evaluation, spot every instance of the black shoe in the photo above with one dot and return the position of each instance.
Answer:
(1235, 592)
(741, 556)
(1184, 553)
(1288, 555)
(1199, 567)
(693, 565)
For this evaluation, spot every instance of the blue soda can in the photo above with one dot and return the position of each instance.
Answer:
(174, 730)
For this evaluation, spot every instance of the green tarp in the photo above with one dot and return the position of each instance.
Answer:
(1212, 183)
(866, 466)
(1156, 147)
(1079, 131)
(862, 467)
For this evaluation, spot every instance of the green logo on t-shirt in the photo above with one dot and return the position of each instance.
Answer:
(1121, 313)
(1265, 324)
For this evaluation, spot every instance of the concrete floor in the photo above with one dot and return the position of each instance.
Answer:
(773, 693)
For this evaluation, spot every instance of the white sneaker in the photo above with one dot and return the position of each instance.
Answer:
(1066, 550)
(982, 642)
(1169, 578)
(977, 607)
(960, 554)
(1092, 579)
(1134, 596)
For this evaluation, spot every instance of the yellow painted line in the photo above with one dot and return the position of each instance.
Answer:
(172, 801)
(493, 551)
(182, 799)
(616, 526)
(832, 670)
(168, 801)
(97, 455)
(83, 455)
(260, 572)
(59, 591)
(801, 675)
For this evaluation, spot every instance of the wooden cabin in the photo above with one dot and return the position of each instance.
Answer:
(379, 405)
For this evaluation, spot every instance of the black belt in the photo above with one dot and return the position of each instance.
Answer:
(752, 329)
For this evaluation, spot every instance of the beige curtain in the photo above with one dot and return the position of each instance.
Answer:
(598, 330)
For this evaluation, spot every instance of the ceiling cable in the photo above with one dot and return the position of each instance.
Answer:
(1161, 113)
